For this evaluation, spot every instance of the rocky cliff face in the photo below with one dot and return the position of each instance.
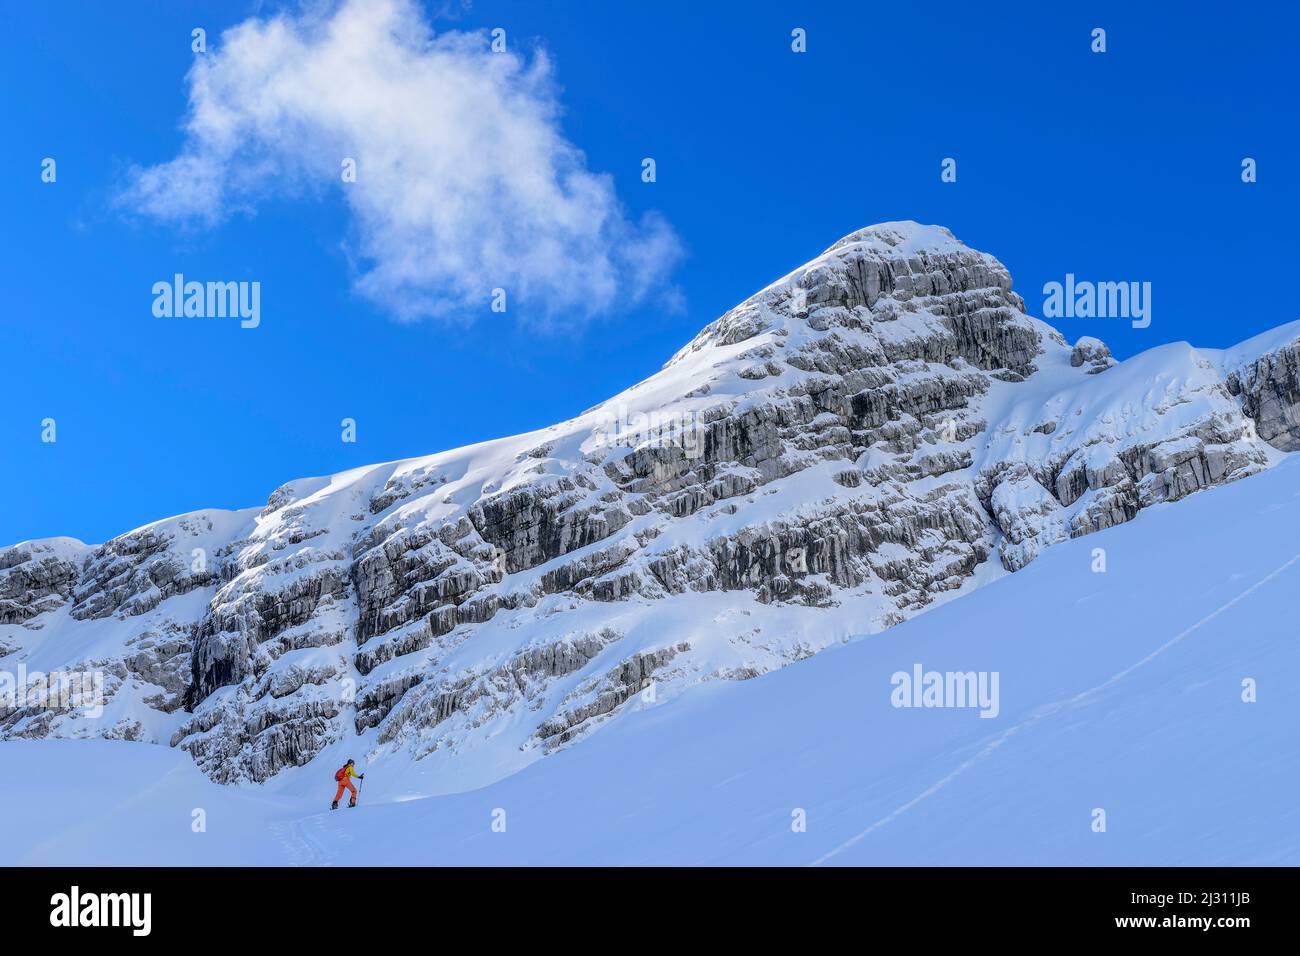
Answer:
(881, 429)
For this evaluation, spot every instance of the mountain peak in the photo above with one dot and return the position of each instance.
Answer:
(901, 238)
(875, 275)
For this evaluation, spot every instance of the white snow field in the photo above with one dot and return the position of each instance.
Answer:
(1120, 691)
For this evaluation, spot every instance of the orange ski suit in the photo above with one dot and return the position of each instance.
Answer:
(345, 783)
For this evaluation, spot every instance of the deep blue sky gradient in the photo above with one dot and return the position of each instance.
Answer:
(1122, 166)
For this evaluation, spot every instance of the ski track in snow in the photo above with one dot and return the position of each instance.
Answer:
(1048, 710)
(306, 841)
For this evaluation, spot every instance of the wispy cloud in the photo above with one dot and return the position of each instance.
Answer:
(464, 179)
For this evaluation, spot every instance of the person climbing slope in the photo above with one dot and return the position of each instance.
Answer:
(341, 775)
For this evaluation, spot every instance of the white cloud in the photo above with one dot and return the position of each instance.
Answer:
(465, 181)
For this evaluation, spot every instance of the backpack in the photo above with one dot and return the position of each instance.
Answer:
(340, 774)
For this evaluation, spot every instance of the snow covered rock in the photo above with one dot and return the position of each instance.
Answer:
(1091, 352)
(37, 576)
(877, 432)
(1268, 384)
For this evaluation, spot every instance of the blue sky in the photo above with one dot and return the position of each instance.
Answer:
(1116, 166)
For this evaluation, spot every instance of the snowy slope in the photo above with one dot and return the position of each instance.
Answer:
(878, 433)
(1119, 690)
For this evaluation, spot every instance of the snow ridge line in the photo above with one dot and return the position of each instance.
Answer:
(1047, 711)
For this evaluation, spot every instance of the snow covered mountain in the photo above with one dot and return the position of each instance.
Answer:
(1123, 692)
(878, 432)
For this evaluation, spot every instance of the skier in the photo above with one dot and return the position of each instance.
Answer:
(341, 775)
